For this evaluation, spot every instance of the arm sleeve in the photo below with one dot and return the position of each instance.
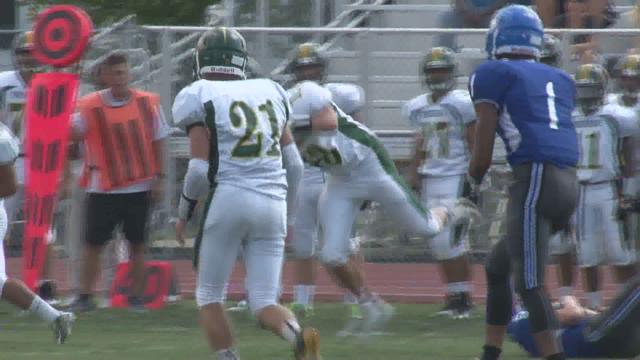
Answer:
(187, 109)
(196, 184)
(489, 83)
(292, 162)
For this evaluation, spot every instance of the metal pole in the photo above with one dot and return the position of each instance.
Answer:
(362, 43)
(229, 8)
(165, 96)
(263, 21)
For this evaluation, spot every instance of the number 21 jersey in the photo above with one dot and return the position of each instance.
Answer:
(534, 103)
(245, 119)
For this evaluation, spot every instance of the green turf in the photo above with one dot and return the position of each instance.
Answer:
(174, 334)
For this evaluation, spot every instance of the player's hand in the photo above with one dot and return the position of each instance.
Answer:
(180, 226)
(471, 189)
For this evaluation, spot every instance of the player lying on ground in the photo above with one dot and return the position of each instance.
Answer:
(239, 144)
(614, 333)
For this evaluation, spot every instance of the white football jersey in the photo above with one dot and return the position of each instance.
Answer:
(599, 139)
(13, 97)
(301, 109)
(338, 152)
(246, 119)
(348, 97)
(442, 125)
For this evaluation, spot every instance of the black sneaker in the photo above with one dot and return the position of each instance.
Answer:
(47, 291)
(451, 305)
(465, 306)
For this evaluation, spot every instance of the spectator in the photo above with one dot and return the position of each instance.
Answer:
(584, 14)
(468, 14)
(123, 131)
(624, 43)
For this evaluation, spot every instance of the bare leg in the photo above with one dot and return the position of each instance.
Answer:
(216, 326)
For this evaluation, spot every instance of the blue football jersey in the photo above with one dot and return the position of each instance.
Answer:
(572, 338)
(535, 103)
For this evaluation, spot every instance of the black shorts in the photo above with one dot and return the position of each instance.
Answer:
(106, 211)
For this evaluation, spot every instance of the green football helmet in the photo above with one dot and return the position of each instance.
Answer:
(591, 84)
(550, 52)
(23, 54)
(309, 63)
(438, 68)
(221, 51)
(628, 70)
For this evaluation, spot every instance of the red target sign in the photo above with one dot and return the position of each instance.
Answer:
(61, 34)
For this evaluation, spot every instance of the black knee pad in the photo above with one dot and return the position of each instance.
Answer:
(499, 299)
(541, 314)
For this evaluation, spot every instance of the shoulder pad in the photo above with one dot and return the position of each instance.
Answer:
(307, 98)
(348, 97)
(187, 107)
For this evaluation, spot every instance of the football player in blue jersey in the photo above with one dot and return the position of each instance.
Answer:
(584, 334)
(529, 104)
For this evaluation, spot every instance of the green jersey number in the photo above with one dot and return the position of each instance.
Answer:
(436, 139)
(250, 144)
(589, 150)
(316, 156)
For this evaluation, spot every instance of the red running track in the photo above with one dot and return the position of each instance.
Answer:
(406, 283)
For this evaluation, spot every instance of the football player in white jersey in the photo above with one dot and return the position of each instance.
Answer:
(358, 169)
(606, 158)
(562, 244)
(13, 96)
(444, 120)
(243, 155)
(12, 290)
(310, 65)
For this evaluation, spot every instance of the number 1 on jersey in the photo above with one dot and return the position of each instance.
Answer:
(551, 104)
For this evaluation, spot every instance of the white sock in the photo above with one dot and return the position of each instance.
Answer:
(349, 298)
(300, 294)
(565, 291)
(458, 287)
(227, 354)
(311, 293)
(43, 310)
(594, 299)
(290, 330)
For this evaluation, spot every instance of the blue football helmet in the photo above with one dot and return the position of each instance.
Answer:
(515, 30)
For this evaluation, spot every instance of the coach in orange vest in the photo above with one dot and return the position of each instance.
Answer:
(123, 130)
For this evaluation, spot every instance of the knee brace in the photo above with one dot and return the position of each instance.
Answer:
(206, 295)
(537, 303)
(499, 299)
(354, 246)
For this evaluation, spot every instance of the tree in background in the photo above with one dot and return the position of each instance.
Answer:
(165, 12)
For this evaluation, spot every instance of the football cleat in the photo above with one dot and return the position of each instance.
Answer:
(61, 326)
(307, 345)
(376, 314)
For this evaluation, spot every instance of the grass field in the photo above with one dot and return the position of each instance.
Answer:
(174, 334)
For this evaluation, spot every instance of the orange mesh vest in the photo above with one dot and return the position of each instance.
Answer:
(119, 140)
